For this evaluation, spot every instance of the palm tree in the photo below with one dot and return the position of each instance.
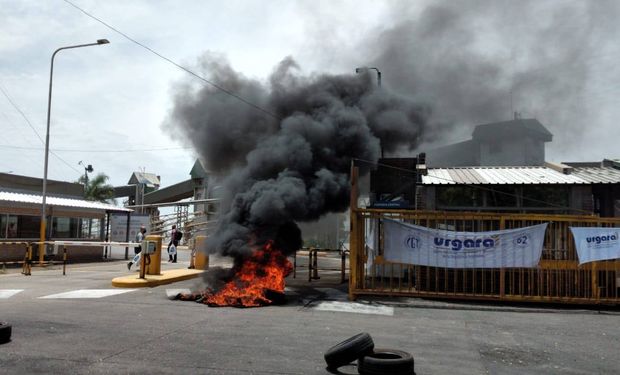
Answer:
(97, 189)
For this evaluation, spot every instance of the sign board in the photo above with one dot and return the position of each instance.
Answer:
(118, 226)
(594, 243)
(407, 243)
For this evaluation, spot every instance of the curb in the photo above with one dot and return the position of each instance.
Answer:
(166, 277)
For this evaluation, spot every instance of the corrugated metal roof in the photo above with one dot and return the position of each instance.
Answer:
(59, 202)
(598, 175)
(150, 179)
(501, 176)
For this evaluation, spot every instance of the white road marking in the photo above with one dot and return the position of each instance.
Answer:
(88, 293)
(172, 293)
(8, 293)
(354, 307)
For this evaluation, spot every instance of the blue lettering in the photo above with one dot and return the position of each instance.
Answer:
(488, 242)
(469, 243)
(438, 241)
(457, 245)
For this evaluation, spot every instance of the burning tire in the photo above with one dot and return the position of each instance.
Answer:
(349, 350)
(386, 362)
(5, 332)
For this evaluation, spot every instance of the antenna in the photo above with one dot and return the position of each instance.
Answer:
(512, 110)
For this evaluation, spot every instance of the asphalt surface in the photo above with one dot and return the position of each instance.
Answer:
(143, 331)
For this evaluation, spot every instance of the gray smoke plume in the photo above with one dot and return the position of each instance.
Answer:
(477, 61)
(293, 166)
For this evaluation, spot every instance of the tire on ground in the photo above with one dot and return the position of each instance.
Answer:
(5, 332)
(386, 361)
(349, 350)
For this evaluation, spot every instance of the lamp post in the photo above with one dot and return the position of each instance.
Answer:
(47, 143)
(363, 69)
(358, 70)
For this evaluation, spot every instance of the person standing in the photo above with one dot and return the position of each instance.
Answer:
(175, 237)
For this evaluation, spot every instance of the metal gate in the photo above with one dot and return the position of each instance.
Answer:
(557, 278)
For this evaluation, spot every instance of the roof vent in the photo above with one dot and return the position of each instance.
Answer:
(559, 167)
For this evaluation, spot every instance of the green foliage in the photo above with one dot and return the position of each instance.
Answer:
(97, 189)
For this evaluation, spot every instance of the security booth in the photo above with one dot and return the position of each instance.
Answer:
(68, 219)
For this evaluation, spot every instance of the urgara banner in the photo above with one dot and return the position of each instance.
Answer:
(594, 244)
(407, 243)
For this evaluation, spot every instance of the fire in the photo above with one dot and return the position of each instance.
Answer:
(255, 282)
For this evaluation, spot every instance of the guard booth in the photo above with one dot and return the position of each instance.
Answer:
(151, 246)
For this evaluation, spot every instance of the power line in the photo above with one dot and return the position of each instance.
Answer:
(89, 151)
(474, 186)
(21, 113)
(187, 70)
(33, 128)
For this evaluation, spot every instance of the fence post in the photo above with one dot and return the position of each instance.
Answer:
(25, 265)
(353, 245)
(502, 271)
(595, 291)
(29, 269)
(309, 264)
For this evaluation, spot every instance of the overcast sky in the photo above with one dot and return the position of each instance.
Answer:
(111, 100)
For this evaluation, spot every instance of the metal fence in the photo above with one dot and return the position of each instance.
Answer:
(558, 277)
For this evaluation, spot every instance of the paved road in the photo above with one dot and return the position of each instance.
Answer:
(79, 324)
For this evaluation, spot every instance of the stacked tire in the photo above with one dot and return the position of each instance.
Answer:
(349, 350)
(370, 361)
(5, 332)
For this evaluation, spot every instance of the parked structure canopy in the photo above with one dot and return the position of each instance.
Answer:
(33, 199)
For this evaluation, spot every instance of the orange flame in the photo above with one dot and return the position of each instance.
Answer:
(264, 271)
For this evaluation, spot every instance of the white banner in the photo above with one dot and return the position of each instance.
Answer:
(118, 226)
(407, 243)
(594, 244)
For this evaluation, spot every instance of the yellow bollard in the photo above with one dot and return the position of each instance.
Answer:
(64, 260)
(202, 259)
(154, 267)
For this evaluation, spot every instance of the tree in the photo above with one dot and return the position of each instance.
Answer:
(97, 189)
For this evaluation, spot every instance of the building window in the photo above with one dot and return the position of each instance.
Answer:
(27, 226)
(64, 227)
(91, 228)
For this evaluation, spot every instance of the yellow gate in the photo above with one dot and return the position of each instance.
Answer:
(558, 277)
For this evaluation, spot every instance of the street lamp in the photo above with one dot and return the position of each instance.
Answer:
(358, 70)
(363, 69)
(47, 142)
(87, 169)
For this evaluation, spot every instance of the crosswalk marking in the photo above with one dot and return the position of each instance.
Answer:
(8, 293)
(88, 293)
(353, 307)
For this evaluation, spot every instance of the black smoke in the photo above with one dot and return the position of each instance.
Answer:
(447, 66)
(291, 162)
(479, 61)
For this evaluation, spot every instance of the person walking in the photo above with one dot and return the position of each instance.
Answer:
(175, 237)
(138, 249)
